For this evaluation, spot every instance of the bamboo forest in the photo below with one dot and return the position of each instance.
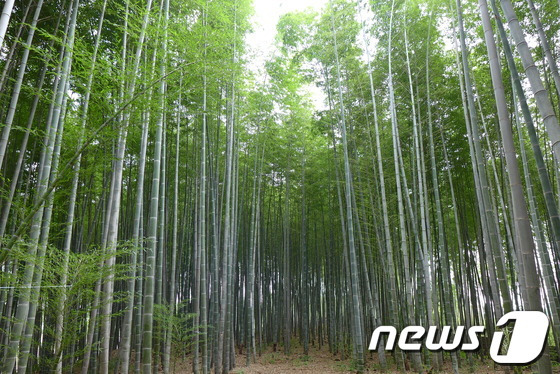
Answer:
(175, 198)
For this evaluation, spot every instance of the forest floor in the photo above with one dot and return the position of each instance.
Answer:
(322, 361)
(318, 361)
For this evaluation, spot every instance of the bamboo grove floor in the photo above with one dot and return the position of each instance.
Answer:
(321, 361)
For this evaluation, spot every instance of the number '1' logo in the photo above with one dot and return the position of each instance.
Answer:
(526, 341)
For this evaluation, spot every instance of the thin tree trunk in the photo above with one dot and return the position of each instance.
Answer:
(548, 273)
(381, 350)
(15, 45)
(546, 184)
(19, 81)
(542, 99)
(489, 226)
(174, 244)
(72, 204)
(25, 347)
(545, 45)
(521, 217)
(354, 280)
(5, 19)
(42, 186)
(152, 245)
(202, 233)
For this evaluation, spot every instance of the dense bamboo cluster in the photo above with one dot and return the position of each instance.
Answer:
(167, 206)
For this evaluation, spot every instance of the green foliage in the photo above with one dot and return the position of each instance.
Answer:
(179, 324)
